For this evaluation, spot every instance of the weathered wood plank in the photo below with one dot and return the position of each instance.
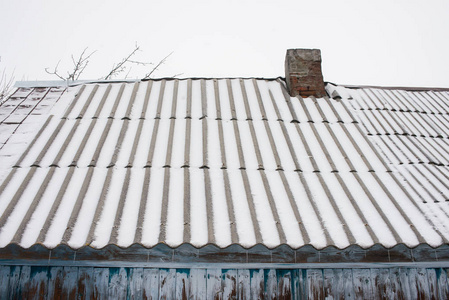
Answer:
(198, 284)
(419, 288)
(214, 290)
(302, 284)
(167, 280)
(14, 282)
(333, 283)
(135, 285)
(328, 283)
(361, 279)
(38, 287)
(380, 283)
(85, 283)
(443, 286)
(257, 284)
(230, 284)
(404, 283)
(386, 283)
(5, 272)
(295, 284)
(244, 286)
(69, 283)
(182, 284)
(284, 284)
(55, 283)
(151, 284)
(315, 289)
(272, 284)
(348, 284)
(101, 282)
(433, 284)
(24, 283)
(423, 283)
(118, 283)
(396, 291)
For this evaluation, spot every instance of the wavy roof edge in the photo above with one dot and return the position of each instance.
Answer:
(234, 245)
(236, 255)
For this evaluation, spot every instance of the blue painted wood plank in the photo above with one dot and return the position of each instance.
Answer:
(135, 283)
(381, 287)
(404, 283)
(101, 283)
(361, 279)
(213, 283)
(333, 283)
(348, 284)
(85, 283)
(198, 284)
(244, 286)
(229, 284)
(182, 284)
(433, 283)
(167, 283)
(284, 284)
(315, 289)
(271, 288)
(151, 283)
(4, 281)
(396, 291)
(443, 285)
(55, 283)
(24, 283)
(70, 283)
(419, 288)
(257, 284)
(38, 287)
(13, 286)
(118, 283)
(302, 284)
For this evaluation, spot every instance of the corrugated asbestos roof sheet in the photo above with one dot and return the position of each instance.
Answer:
(223, 161)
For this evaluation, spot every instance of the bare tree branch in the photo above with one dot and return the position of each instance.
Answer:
(148, 75)
(79, 65)
(55, 71)
(140, 63)
(6, 82)
(120, 66)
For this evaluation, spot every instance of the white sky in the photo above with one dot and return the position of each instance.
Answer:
(404, 43)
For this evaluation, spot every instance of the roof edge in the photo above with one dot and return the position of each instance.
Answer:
(58, 83)
(233, 254)
(404, 88)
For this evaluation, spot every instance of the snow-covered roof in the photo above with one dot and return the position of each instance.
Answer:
(223, 161)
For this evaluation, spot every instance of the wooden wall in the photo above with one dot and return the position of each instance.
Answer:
(149, 283)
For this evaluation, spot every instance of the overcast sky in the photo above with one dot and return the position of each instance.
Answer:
(393, 43)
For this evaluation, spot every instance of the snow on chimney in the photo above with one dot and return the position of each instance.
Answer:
(303, 73)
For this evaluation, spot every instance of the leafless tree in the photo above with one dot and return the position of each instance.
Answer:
(80, 64)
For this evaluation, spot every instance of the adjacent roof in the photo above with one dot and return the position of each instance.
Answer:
(223, 161)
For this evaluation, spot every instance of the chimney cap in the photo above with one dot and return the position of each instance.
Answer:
(305, 54)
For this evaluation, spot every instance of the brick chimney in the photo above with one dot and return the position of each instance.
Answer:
(303, 73)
